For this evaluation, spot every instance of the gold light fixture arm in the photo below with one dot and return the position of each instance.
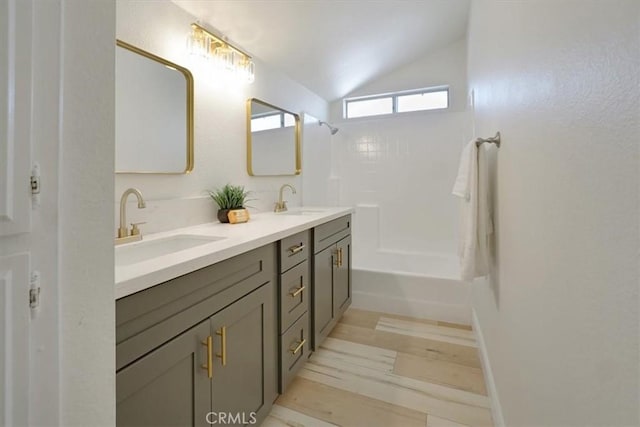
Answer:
(218, 40)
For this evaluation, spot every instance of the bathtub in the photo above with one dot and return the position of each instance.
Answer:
(411, 284)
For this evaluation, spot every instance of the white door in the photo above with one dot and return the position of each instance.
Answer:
(15, 208)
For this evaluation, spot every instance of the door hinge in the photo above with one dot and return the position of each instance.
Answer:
(35, 185)
(34, 290)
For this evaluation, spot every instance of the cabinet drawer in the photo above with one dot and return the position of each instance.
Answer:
(327, 234)
(295, 292)
(152, 317)
(294, 349)
(293, 250)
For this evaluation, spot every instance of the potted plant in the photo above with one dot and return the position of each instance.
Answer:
(229, 197)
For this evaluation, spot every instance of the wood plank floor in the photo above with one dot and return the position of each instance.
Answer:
(378, 369)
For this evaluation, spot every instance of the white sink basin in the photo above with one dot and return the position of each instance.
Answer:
(304, 212)
(133, 253)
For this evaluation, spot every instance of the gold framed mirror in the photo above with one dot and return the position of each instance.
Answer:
(154, 113)
(273, 140)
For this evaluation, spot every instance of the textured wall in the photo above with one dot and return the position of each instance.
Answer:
(87, 305)
(220, 127)
(560, 312)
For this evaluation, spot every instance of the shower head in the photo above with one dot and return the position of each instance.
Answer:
(331, 128)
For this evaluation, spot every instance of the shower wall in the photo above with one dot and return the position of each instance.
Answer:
(398, 170)
(398, 173)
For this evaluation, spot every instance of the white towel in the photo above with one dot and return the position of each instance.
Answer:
(471, 186)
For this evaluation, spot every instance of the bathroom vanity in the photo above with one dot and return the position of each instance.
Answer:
(219, 318)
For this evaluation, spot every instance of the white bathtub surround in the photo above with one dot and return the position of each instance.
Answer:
(234, 239)
(412, 283)
(476, 223)
(416, 295)
(398, 171)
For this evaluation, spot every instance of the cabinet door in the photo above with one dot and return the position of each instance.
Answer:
(294, 350)
(167, 387)
(342, 278)
(323, 294)
(243, 386)
(294, 295)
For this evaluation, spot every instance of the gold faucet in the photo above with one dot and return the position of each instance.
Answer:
(123, 232)
(281, 205)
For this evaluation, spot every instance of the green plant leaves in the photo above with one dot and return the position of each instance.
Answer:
(229, 197)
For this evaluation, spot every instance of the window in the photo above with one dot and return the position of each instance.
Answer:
(369, 107)
(272, 121)
(434, 98)
(423, 101)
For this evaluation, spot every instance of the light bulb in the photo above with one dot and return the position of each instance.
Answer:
(197, 43)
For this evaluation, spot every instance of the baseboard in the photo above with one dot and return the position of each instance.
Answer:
(496, 409)
(411, 307)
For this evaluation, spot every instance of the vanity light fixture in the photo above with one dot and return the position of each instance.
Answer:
(223, 55)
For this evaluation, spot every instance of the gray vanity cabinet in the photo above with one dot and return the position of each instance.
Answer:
(323, 263)
(244, 356)
(166, 387)
(331, 276)
(294, 303)
(225, 338)
(342, 277)
(203, 343)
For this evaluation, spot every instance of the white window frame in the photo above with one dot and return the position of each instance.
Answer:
(394, 101)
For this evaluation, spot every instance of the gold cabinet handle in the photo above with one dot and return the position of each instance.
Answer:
(298, 347)
(337, 257)
(297, 291)
(222, 333)
(340, 257)
(209, 365)
(295, 249)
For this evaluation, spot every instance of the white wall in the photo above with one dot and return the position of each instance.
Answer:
(560, 312)
(444, 66)
(318, 169)
(220, 127)
(398, 170)
(87, 305)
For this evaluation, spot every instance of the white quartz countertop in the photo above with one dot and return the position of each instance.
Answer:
(262, 228)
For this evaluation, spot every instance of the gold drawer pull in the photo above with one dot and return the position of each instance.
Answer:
(340, 257)
(297, 291)
(222, 333)
(295, 249)
(209, 365)
(297, 349)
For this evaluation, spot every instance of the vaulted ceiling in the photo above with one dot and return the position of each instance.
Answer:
(334, 46)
